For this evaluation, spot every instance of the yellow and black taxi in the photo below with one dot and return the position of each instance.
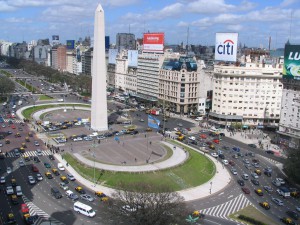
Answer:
(48, 175)
(24, 145)
(257, 171)
(30, 134)
(55, 172)
(7, 141)
(178, 133)
(148, 129)
(265, 205)
(11, 218)
(80, 190)
(26, 158)
(287, 220)
(22, 149)
(212, 147)
(198, 214)
(259, 192)
(13, 182)
(14, 200)
(102, 196)
(64, 179)
(17, 135)
(180, 137)
(294, 192)
(27, 139)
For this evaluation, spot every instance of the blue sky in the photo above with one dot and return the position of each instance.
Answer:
(254, 20)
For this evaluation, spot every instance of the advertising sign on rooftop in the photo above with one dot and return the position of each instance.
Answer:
(133, 58)
(153, 42)
(226, 46)
(291, 67)
(70, 44)
(112, 55)
(55, 37)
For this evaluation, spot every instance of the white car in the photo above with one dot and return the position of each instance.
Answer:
(31, 180)
(8, 170)
(254, 175)
(168, 132)
(39, 152)
(39, 177)
(225, 162)
(233, 171)
(213, 154)
(2, 180)
(199, 119)
(192, 138)
(280, 180)
(63, 186)
(95, 134)
(36, 143)
(9, 190)
(21, 164)
(77, 139)
(70, 177)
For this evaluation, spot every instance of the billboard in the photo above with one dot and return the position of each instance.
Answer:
(291, 67)
(226, 46)
(112, 55)
(107, 42)
(70, 44)
(55, 38)
(153, 122)
(133, 58)
(153, 42)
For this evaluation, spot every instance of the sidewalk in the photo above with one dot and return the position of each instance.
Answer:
(216, 184)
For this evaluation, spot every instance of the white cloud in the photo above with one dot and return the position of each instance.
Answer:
(17, 20)
(286, 3)
(182, 24)
(235, 27)
(4, 7)
(204, 22)
(209, 7)
(117, 3)
(227, 18)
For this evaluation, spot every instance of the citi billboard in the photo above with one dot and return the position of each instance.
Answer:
(226, 46)
(153, 42)
(291, 67)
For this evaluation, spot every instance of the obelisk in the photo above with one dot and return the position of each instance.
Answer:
(99, 101)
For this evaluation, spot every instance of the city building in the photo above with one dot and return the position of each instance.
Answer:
(179, 84)
(40, 53)
(289, 125)
(125, 41)
(248, 94)
(86, 60)
(61, 58)
(70, 56)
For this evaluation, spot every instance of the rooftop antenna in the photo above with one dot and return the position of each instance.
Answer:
(291, 24)
(129, 28)
(187, 40)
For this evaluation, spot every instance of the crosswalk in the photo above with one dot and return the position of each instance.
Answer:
(227, 208)
(29, 153)
(42, 216)
(13, 120)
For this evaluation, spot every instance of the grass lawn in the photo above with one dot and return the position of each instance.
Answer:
(26, 85)
(250, 211)
(45, 97)
(29, 111)
(6, 73)
(195, 171)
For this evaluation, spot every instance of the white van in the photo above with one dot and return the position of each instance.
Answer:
(60, 166)
(84, 209)
(19, 191)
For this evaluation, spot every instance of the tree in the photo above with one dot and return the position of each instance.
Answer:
(292, 166)
(148, 205)
(6, 86)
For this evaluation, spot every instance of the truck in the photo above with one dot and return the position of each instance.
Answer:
(284, 192)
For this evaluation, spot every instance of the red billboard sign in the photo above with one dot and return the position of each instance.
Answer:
(153, 42)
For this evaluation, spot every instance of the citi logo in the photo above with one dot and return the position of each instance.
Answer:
(226, 48)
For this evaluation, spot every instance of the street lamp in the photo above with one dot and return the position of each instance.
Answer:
(210, 187)
(94, 145)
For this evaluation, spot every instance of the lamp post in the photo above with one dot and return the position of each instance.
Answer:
(210, 187)
(94, 145)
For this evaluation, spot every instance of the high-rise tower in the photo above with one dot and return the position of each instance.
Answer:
(99, 102)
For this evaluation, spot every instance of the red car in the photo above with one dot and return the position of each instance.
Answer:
(8, 116)
(231, 163)
(245, 190)
(13, 127)
(34, 168)
(24, 208)
(217, 141)
(204, 136)
(188, 129)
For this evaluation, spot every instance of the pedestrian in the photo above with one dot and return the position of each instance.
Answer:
(135, 159)
(150, 142)
(99, 141)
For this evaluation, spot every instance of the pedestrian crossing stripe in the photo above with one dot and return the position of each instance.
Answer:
(13, 120)
(29, 153)
(227, 208)
(34, 210)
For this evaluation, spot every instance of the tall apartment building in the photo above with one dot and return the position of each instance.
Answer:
(54, 63)
(148, 68)
(125, 41)
(249, 94)
(69, 60)
(289, 125)
(86, 60)
(179, 84)
(62, 57)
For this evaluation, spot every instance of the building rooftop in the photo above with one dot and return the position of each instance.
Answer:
(188, 63)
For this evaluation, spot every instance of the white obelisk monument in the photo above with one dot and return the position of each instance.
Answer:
(99, 101)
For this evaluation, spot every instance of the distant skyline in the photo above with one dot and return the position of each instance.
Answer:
(254, 20)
